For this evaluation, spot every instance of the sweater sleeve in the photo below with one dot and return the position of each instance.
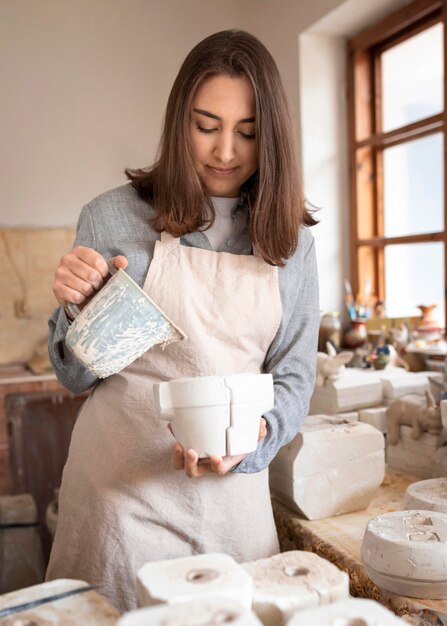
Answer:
(69, 370)
(291, 358)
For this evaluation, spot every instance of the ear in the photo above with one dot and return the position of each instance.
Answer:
(330, 349)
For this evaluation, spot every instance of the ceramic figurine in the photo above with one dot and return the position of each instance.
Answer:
(422, 414)
(331, 365)
(400, 337)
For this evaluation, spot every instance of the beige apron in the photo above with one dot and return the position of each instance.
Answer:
(121, 502)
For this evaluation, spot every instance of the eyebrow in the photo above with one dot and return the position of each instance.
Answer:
(246, 120)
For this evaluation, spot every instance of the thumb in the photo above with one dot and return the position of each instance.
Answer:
(119, 262)
(262, 429)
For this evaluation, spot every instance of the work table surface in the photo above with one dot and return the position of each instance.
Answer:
(339, 540)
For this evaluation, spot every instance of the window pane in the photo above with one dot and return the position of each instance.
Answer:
(414, 274)
(413, 187)
(412, 78)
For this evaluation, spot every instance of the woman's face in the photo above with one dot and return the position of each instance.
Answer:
(222, 127)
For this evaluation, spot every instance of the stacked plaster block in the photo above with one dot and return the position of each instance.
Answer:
(354, 390)
(314, 473)
(59, 603)
(293, 581)
(375, 416)
(193, 578)
(353, 612)
(416, 457)
(205, 612)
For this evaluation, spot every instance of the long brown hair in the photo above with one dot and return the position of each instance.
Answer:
(277, 206)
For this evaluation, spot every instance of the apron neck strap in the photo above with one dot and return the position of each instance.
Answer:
(168, 239)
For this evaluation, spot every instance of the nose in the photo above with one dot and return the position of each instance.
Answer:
(224, 148)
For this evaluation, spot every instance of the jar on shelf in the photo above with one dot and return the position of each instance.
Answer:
(357, 334)
(330, 330)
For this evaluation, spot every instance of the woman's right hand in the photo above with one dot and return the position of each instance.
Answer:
(80, 274)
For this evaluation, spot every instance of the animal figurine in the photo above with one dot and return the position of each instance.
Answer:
(331, 365)
(419, 412)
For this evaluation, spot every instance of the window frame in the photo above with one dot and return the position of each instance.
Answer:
(364, 120)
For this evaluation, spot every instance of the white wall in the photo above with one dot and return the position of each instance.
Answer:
(84, 86)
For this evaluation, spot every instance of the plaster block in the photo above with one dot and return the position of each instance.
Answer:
(405, 552)
(352, 612)
(354, 390)
(428, 495)
(59, 602)
(440, 465)
(314, 473)
(375, 416)
(293, 581)
(414, 456)
(192, 578)
(212, 611)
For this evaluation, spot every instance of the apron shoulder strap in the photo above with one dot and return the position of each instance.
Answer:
(169, 240)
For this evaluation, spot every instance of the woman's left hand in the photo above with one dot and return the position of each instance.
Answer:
(195, 467)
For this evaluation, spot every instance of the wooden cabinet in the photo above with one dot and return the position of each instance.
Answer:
(37, 416)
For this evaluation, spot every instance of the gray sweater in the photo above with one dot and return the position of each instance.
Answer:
(117, 222)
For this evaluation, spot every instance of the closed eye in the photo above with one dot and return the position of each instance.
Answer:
(205, 130)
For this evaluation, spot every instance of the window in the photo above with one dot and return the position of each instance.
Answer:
(397, 159)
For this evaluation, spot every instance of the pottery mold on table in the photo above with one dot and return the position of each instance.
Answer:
(206, 612)
(429, 495)
(293, 581)
(216, 415)
(117, 326)
(417, 457)
(354, 390)
(193, 578)
(352, 612)
(405, 552)
(330, 468)
(375, 416)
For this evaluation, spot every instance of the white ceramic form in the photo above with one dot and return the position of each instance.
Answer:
(57, 603)
(429, 495)
(405, 552)
(293, 581)
(355, 389)
(375, 416)
(352, 612)
(216, 415)
(206, 612)
(194, 578)
(332, 467)
(119, 324)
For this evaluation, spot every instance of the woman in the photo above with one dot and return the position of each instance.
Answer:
(241, 282)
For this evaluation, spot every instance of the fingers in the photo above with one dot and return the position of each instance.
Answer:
(119, 262)
(81, 273)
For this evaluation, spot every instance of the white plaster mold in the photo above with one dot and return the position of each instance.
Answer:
(314, 473)
(192, 578)
(354, 390)
(206, 612)
(117, 326)
(429, 495)
(293, 581)
(405, 552)
(65, 602)
(352, 612)
(375, 416)
(216, 415)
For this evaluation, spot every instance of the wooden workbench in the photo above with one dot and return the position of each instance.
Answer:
(339, 540)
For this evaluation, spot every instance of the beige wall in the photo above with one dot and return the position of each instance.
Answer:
(84, 86)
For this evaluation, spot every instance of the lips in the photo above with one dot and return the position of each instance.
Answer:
(220, 171)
